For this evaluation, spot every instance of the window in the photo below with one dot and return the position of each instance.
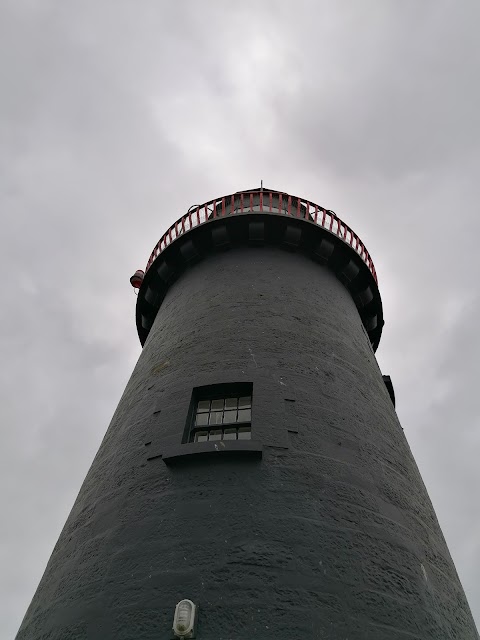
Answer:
(222, 418)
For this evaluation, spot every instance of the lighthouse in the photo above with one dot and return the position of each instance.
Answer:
(255, 482)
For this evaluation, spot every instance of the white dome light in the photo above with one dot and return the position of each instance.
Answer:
(184, 619)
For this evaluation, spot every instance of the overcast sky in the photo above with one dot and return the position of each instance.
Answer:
(117, 115)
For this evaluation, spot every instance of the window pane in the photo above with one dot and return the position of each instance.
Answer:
(229, 417)
(201, 419)
(201, 436)
(244, 415)
(244, 433)
(217, 405)
(215, 434)
(203, 405)
(216, 417)
(230, 434)
(231, 403)
(245, 402)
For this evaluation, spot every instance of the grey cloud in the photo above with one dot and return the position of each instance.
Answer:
(392, 96)
(115, 117)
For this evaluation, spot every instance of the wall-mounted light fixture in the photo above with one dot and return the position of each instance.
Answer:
(184, 620)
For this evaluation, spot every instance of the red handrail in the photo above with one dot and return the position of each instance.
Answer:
(256, 201)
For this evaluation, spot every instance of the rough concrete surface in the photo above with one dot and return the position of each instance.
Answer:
(329, 535)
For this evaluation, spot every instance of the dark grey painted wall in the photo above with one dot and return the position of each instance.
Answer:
(331, 535)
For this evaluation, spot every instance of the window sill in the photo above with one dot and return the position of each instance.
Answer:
(194, 450)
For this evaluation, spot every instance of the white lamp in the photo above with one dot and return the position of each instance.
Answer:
(184, 619)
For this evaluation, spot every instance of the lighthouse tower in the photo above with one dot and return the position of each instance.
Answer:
(255, 482)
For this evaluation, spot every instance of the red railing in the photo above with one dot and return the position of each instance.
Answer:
(263, 201)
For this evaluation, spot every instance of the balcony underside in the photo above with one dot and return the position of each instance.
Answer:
(260, 229)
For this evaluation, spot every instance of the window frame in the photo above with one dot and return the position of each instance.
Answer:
(223, 392)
